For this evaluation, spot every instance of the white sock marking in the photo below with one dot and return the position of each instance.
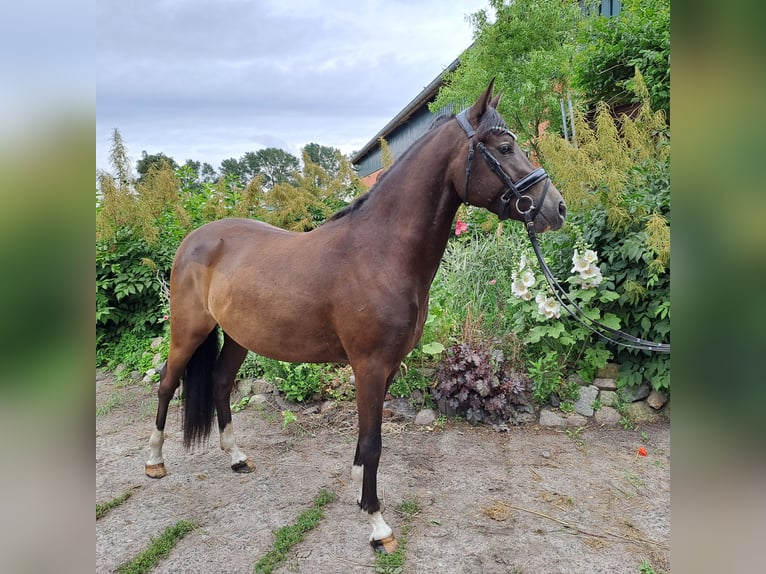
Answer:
(155, 447)
(229, 445)
(380, 529)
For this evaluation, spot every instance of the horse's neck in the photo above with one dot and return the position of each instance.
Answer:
(416, 206)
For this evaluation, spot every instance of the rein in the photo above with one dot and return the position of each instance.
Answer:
(531, 211)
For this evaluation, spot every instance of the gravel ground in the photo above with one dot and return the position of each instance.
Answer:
(530, 500)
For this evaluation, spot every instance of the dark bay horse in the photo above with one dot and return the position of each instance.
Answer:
(354, 290)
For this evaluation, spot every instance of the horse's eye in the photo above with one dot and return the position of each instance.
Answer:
(505, 148)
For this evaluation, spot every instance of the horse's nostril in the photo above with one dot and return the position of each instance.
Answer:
(562, 209)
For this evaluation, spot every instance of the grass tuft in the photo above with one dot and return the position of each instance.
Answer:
(103, 507)
(288, 536)
(158, 548)
(394, 563)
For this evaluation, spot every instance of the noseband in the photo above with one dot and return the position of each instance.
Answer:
(525, 205)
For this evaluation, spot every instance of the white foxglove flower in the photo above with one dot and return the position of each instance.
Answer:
(590, 271)
(528, 278)
(579, 263)
(548, 306)
(520, 290)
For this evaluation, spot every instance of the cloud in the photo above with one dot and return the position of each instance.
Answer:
(221, 78)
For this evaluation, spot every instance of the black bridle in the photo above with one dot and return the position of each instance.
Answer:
(531, 211)
(512, 189)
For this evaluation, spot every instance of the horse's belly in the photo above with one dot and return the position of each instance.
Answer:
(279, 325)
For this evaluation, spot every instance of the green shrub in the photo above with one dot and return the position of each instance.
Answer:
(611, 48)
(298, 381)
(618, 183)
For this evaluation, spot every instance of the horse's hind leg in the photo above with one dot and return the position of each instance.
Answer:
(170, 378)
(225, 371)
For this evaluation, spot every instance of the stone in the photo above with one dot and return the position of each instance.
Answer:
(157, 360)
(417, 397)
(258, 400)
(605, 384)
(575, 420)
(584, 405)
(609, 371)
(425, 417)
(401, 407)
(327, 406)
(656, 399)
(608, 398)
(119, 368)
(261, 387)
(636, 393)
(155, 344)
(548, 418)
(245, 387)
(607, 416)
(639, 412)
(312, 410)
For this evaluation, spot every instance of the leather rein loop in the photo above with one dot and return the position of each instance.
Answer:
(516, 190)
(609, 334)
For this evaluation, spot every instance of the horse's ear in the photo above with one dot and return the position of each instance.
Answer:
(495, 101)
(480, 107)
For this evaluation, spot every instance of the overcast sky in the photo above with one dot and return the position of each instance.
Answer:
(207, 80)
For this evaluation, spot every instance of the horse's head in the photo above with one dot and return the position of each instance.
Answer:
(499, 176)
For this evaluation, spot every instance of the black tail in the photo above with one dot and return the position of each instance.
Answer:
(198, 391)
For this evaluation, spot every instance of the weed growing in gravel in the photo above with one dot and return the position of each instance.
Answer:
(103, 507)
(646, 568)
(158, 548)
(114, 400)
(394, 562)
(288, 536)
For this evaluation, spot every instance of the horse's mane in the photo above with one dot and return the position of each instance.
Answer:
(360, 201)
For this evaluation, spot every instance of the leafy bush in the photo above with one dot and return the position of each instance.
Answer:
(475, 380)
(407, 381)
(550, 384)
(298, 381)
(489, 288)
(618, 184)
(613, 47)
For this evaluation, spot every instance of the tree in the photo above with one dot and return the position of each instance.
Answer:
(328, 158)
(612, 48)
(315, 194)
(207, 173)
(273, 164)
(527, 47)
(156, 160)
(232, 170)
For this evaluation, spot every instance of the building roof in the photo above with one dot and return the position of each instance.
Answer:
(425, 96)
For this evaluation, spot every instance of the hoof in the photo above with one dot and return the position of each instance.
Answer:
(155, 470)
(387, 545)
(244, 466)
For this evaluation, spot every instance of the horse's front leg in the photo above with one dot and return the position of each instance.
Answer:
(370, 392)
